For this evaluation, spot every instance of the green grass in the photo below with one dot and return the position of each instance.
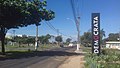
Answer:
(27, 48)
(87, 49)
(16, 51)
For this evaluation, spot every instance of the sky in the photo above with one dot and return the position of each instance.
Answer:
(109, 18)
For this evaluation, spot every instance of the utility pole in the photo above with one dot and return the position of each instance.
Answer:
(57, 36)
(78, 38)
(119, 34)
(36, 39)
(77, 22)
(13, 37)
(76, 14)
(57, 32)
(13, 34)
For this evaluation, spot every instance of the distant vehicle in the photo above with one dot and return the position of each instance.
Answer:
(71, 45)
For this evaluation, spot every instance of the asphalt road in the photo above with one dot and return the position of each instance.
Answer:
(40, 59)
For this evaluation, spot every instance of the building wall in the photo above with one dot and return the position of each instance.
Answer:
(113, 45)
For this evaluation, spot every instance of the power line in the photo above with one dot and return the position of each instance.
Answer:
(54, 29)
(51, 27)
(78, 8)
(75, 9)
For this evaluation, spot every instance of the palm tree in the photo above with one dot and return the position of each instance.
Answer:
(102, 34)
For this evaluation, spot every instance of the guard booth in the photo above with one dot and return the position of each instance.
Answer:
(113, 44)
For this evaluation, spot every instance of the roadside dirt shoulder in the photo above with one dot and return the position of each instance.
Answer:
(73, 62)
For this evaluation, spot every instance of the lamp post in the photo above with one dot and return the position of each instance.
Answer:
(77, 22)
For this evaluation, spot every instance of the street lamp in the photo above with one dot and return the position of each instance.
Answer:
(77, 22)
(71, 20)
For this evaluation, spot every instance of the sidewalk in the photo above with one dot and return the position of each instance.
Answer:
(74, 61)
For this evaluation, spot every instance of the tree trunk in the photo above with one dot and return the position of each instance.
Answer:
(28, 44)
(19, 44)
(58, 44)
(3, 32)
(3, 47)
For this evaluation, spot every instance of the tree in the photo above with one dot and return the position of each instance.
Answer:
(102, 34)
(21, 13)
(30, 40)
(68, 40)
(7, 40)
(113, 37)
(58, 39)
(24, 40)
(20, 40)
(86, 38)
(45, 39)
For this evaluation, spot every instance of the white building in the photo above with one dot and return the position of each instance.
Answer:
(113, 44)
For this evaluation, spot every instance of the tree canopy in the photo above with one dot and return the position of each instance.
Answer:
(21, 13)
(58, 39)
(86, 38)
(45, 39)
(113, 37)
(68, 40)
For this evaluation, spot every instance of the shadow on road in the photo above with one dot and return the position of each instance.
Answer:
(19, 55)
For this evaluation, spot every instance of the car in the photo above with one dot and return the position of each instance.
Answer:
(70, 45)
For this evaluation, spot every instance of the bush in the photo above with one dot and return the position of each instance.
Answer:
(107, 59)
